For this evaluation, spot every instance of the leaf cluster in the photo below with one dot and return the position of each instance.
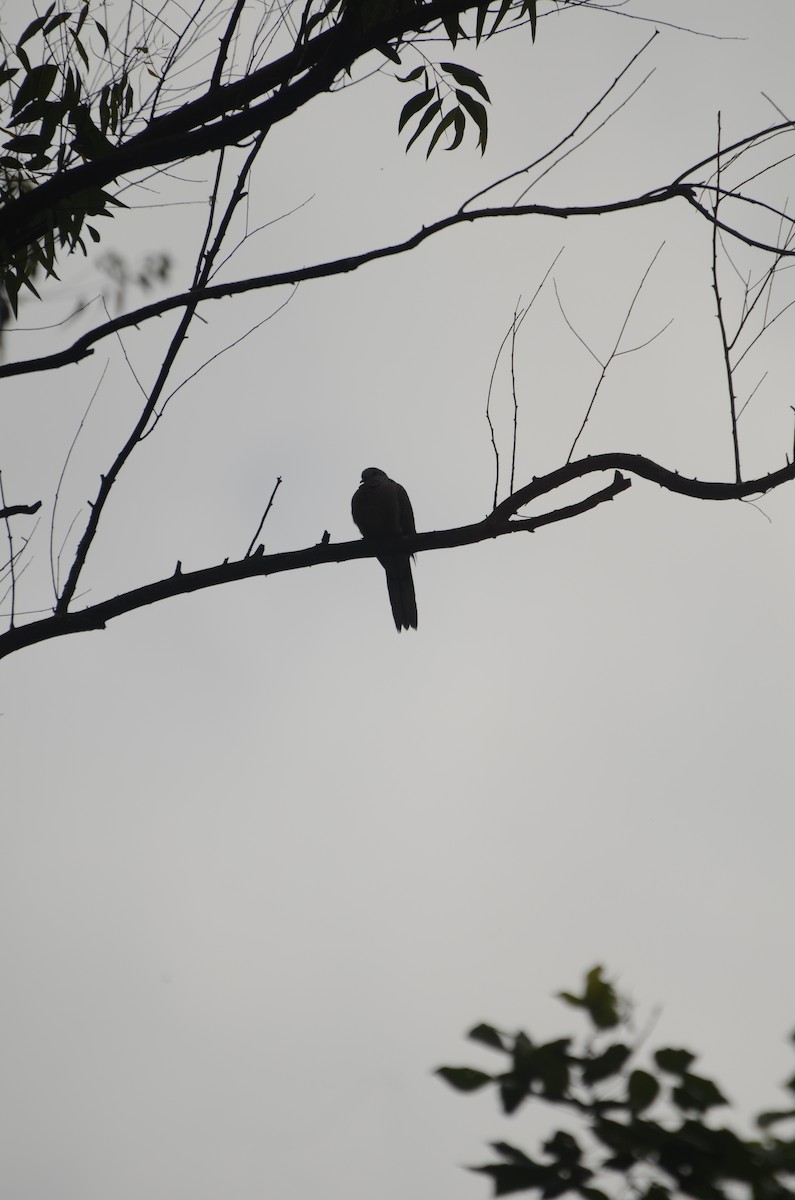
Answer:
(54, 120)
(648, 1127)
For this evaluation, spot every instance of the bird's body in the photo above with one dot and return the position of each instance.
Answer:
(381, 509)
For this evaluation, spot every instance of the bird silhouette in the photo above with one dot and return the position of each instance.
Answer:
(381, 509)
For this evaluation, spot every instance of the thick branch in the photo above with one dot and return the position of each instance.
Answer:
(496, 524)
(96, 616)
(81, 348)
(224, 116)
(14, 510)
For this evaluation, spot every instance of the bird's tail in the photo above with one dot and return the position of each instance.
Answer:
(401, 593)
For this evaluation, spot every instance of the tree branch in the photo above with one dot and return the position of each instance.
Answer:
(14, 510)
(497, 524)
(81, 347)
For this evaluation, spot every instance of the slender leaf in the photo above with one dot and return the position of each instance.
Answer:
(459, 120)
(478, 114)
(466, 78)
(412, 75)
(425, 121)
(37, 85)
(34, 27)
(438, 132)
(452, 27)
(413, 106)
(55, 22)
(506, 4)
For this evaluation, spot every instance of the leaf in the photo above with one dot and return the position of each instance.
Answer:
(506, 4)
(642, 1090)
(508, 1178)
(412, 75)
(466, 77)
(36, 85)
(606, 1064)
(79, 47)
(464, 1079)
(563, 1147)
(452, 27)
(530, 5)
(675, 1062)
(488, 1035)
(55, 22)
(697, 1094)
(512, 1153)
(425, 121)
(95, 236)
(413, 106)
(551, 1066)
(7, 73)
(438, 132)
(103, 33)
(483, 10)
(599, 998)
(460, 124)
(388, 52)
(478, 114)
(26, 143)
(34, 27)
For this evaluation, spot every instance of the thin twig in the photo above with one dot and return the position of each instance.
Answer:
(53, 571)
(11, 564)
(614, 352)
(721, 322)
(268, 507)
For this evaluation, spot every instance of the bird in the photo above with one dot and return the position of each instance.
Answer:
(381, 509)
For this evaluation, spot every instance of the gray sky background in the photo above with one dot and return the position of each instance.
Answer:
(263, 861)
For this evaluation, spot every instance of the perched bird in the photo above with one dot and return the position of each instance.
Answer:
(381, 509)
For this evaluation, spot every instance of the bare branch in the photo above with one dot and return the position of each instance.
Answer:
(268, 507)
(81, 348)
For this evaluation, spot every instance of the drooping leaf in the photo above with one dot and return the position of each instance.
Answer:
(504, 6)
(459, 122)
(430, 113)
(480, 21)
(445, 123)
(452, 27)
(103, 33)
(466, 77)
(413, 106)
(478, 114)
(530, 5)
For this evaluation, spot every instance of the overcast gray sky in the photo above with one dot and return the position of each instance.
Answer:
(263, 861)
